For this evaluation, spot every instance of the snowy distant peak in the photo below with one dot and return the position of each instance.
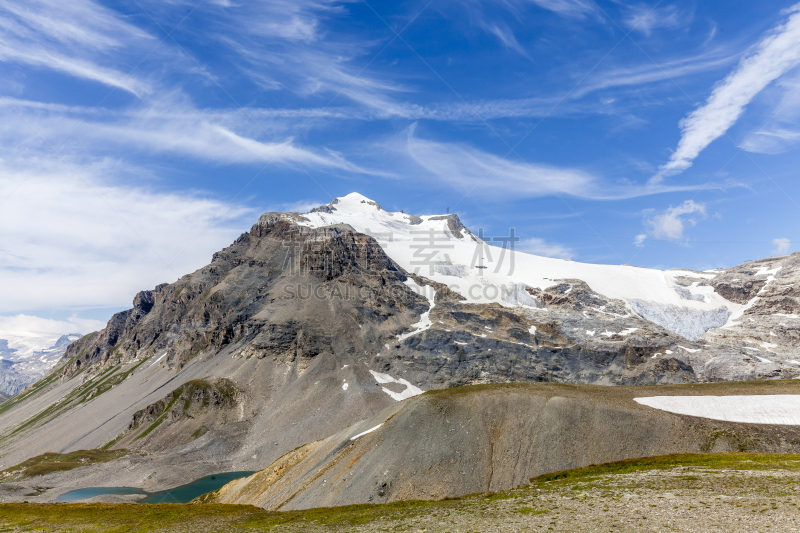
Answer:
(6, 352)
(23, 367)
(65, 340)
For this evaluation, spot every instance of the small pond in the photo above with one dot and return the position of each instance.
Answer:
(181, 494)
(91, 492)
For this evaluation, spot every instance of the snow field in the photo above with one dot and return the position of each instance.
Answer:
(781, 409)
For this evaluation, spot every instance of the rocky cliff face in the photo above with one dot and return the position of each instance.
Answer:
(262, 295)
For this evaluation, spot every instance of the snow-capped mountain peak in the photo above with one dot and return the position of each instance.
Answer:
(488, 269)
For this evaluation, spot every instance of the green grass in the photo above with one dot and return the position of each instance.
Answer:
(112, 442)
(732, 461)
(531, 501)
(55, 409)
(136, 518)
(56, 462)
(86, 392)
(35, 388)
(530, 510)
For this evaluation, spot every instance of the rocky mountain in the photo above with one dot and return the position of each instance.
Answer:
(17, 371)
(310, 324)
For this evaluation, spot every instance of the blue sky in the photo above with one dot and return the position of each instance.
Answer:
(138, 137)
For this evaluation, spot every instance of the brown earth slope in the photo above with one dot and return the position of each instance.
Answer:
(489, 438)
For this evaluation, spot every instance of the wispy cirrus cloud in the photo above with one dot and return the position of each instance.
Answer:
(649, 73)
(171, 126)
(468, 168)
(775, 55)
(488, 15)
(472, 170)
(281, 45)
(781, 131)
(568, 8)
(505, 35)
(80, 38)
(645, 19)
(772, 140)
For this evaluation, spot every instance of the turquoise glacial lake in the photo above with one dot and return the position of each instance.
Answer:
(181, 494)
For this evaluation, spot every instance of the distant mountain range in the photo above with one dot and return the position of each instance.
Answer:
(313, 333)
(17, 371)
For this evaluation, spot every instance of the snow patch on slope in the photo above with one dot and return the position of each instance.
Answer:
(409, 391)
(782, 409)
(160, 357)
(424, 320)
(367, 432)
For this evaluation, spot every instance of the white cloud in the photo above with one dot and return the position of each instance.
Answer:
(577, 9)
(380, 105)
(469, 168)
(70, 242)
(33, 326)
(537, 246)
(487, 16)
(781, 132)
(774, 140)
(771, 58)
(649, 73)
(569, 8)
(782, 246)
(671, 224)
(281, 45)
(473, 171)
(169, 126)
(26, 333)
(505, 35)
(645, 19)
(80, 38)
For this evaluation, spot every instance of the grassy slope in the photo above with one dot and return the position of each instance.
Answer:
(767, 481)
(55, 462)
(91, 389)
